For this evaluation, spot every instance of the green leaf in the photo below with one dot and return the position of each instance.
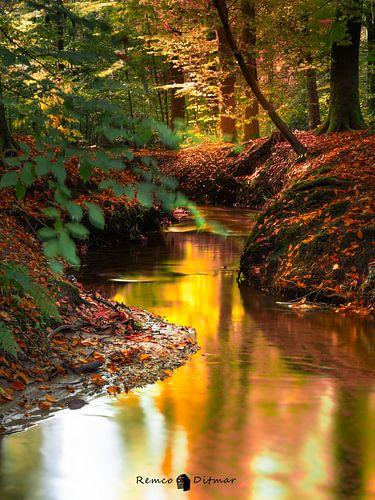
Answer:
(43, 165)
(68, 249)
(77, 230)
(144, 194)
(56, 266)
(51, 213)
(129, 192)
(8, 343)
(75, 211)
(96, 216)
(102, 160)
(112, 184)
(27, 175)
(15, 162)
(59, 171)
(167, 136)
(8, 57)
(43, 300)
(9, 179)
(117, 165)
(52, 248)
(46, 233)
(85, 170)
(25, 147)
(20, 190)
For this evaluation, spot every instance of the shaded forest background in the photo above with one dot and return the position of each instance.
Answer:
(86, 68)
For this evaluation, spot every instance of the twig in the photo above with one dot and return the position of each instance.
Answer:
(61, 328)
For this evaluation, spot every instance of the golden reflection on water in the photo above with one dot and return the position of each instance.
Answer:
(282, 402)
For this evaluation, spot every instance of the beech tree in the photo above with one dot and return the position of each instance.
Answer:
(344, 106)
(298, 147)
(248, 38)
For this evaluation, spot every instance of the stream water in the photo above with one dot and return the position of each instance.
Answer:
(282, 402)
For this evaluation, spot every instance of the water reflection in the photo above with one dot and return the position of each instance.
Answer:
(282, 402)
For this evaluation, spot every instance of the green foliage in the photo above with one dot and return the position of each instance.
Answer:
(15, 280)
(15, 277)
(7, 342)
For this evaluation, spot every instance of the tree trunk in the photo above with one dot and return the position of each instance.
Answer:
(177, 101)
(371, 54)
(226, 93)
(155, 72)
(253, 84)
(344, 108)
(60, 31)
(312, 96)
(6, 140)
(251, 126)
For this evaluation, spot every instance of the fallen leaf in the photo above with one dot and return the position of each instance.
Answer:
(97, 379)
(113, 389)
(18, 386)
(50, 398)
(44, 405)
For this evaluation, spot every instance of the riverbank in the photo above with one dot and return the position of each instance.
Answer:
(53, 332)
(314, 238)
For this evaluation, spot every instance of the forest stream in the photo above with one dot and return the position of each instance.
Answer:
(278, 404)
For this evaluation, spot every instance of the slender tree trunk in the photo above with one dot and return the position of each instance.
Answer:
(344, 108)
(6, 140)
(251, 126)
(166, 104)
(60, 31)
(177, 101)
(253, 84)
(226, 92)
(155, 72)
(371, 53)
(312, 96)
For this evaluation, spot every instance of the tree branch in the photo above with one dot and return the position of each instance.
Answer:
(253, 84)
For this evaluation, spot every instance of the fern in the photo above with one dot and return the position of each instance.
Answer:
(14, 275)
(8, 343)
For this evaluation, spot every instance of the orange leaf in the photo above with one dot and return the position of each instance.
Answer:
(18, 386)
(97, 379)
(50, 398)
(23, 376)
(360, 234)
(99, 356)
(44, 387)
(113, 389)
(44, 405)
(7, 394)
(300, 284)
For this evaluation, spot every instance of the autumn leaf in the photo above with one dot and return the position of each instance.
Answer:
(113, 389)
(44, 405)
(50, 398)
(18, 386)
(98, 356)
(22, 376)
(97, 379)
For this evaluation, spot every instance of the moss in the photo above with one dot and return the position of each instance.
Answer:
(339, 208)
(324, 170)
(319, 182)
(319, 243)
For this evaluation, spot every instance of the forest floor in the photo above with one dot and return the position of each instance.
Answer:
(315, 235)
